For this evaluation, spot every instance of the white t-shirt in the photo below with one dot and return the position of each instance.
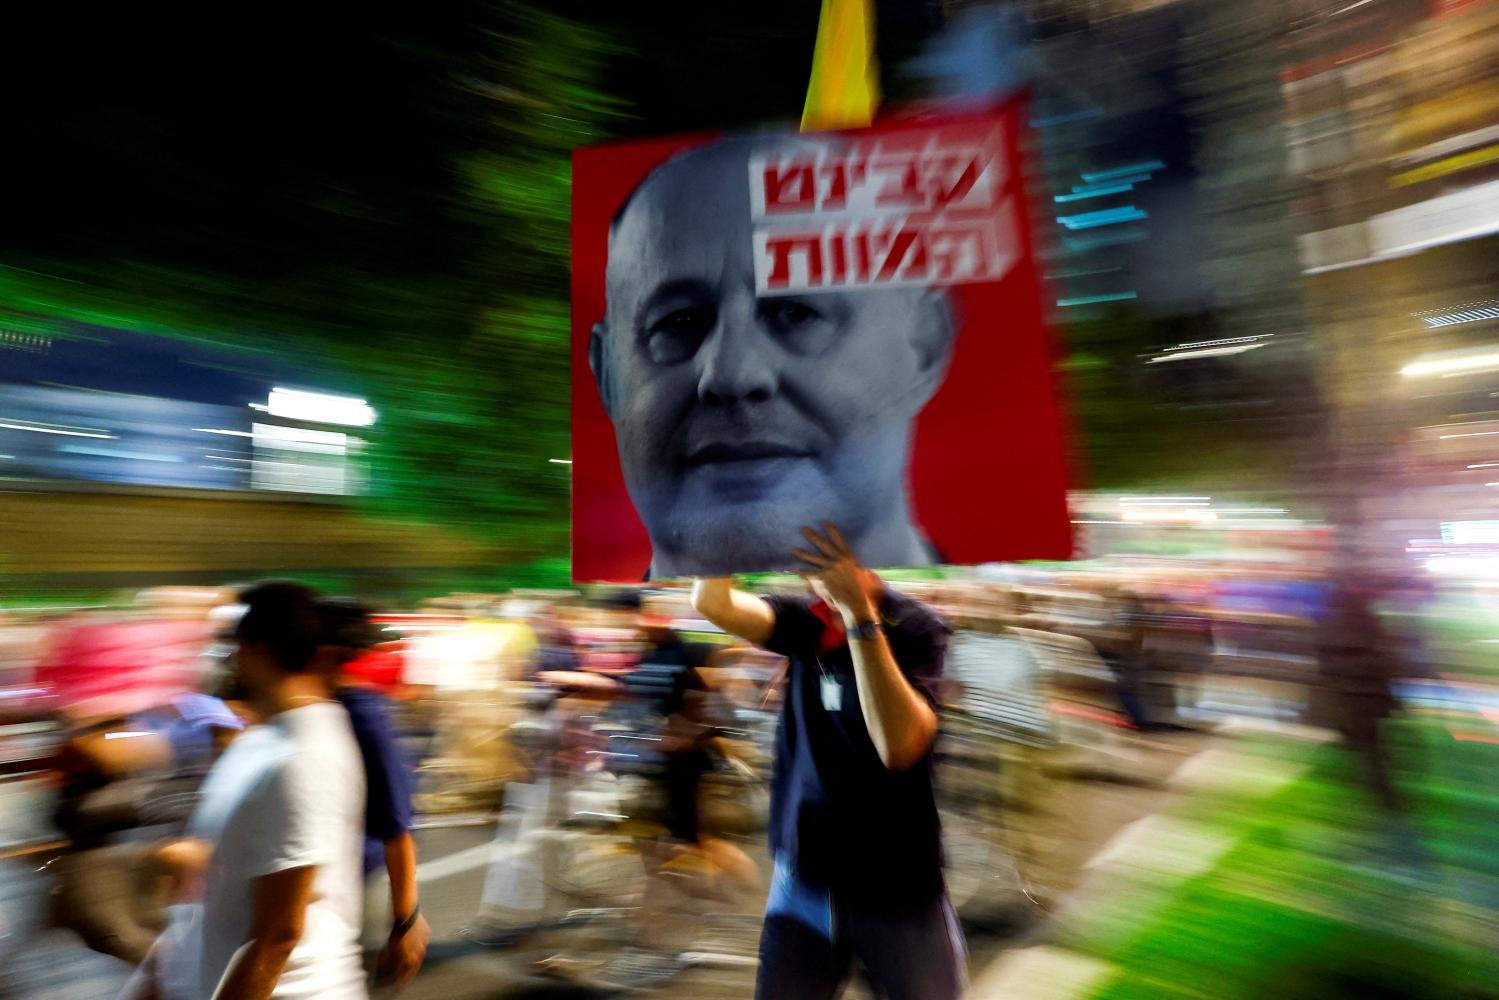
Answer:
(285, 795)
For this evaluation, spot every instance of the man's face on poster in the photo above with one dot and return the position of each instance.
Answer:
(741, 417)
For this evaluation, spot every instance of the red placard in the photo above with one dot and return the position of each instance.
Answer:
(776, 311)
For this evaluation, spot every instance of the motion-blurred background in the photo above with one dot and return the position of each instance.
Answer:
(283, 291)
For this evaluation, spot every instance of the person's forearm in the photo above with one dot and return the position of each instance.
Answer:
(255, 970)
(400, 866)
(901, 723)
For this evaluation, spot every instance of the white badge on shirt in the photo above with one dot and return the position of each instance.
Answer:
(832, 693)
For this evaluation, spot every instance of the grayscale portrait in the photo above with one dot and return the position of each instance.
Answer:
(742, 417)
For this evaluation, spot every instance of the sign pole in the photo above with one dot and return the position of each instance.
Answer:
(844, 91)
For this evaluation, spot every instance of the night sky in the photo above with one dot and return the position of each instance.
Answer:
(292, 137)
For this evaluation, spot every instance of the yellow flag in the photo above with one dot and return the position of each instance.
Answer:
(845, 87)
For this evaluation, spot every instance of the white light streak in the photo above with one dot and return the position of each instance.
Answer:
(61, 429)
(220, 430)
(1195, 514)
(1449, 364)
(560, 461)
(320, 408)
(1206, 352)
(102, 452)
(1220, 342)
(1485, 567)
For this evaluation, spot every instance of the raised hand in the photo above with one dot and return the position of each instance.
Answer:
(837, 573)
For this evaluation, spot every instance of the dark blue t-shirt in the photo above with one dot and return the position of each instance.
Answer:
(387, 800)
(838, 816)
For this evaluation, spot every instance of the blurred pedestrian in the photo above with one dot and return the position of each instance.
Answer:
(1127, 655)
(388, 842)
(200, 728)
(104, 891)
(283, 811)
(1359, 664)
(854, 831)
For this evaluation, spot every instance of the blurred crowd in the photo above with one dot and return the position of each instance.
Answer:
(624, 744)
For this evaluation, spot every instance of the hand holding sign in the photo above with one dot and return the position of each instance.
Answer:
(838, 577)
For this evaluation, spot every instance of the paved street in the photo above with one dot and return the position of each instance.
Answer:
(1083, 813)
(1080, 813)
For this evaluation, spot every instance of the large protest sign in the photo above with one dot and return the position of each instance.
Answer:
(772, 330)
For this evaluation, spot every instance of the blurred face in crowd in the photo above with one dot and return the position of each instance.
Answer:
(277, 636)
(740, 418)
(255, 672)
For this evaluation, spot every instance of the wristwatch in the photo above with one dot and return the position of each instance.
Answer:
(865, 631)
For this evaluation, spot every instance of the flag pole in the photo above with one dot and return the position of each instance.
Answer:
(844, 91)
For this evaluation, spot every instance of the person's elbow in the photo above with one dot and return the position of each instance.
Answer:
(277, 941)
(714, 600)
(912, 746)
(710, 597)
(275, 937)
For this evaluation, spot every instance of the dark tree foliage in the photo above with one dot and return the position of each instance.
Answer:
(386, 186)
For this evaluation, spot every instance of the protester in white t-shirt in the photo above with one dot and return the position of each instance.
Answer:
(284, 812)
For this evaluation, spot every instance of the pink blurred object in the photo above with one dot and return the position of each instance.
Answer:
(111, 669)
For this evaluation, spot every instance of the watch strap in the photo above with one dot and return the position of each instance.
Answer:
(401, 929)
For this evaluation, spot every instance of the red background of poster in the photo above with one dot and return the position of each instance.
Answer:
(989, 469)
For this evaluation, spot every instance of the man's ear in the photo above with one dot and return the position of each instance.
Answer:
(598, 363)
(936, 332)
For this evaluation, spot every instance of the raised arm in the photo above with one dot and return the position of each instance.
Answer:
(734, 611)
(902, 725)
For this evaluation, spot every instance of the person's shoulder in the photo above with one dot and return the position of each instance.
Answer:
(274, 760)
(321, 732)
(322, 750)
(792, 612)
(796, 628)
(788, 602)
(363, 706)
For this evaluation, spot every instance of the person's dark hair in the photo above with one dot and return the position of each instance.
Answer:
(346, 624)
(283, 617)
